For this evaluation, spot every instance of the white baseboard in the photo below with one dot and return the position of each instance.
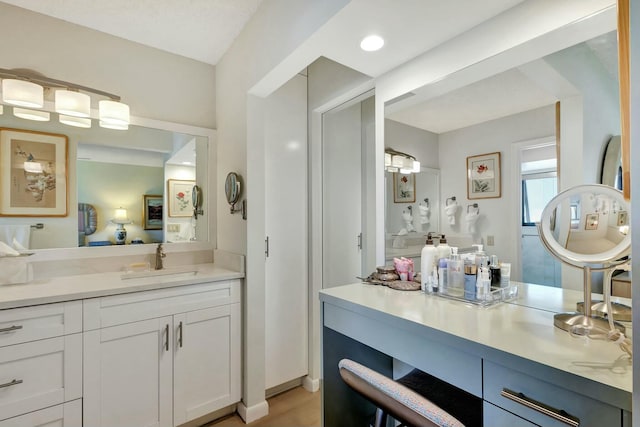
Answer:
(255, 412)
(311, 384)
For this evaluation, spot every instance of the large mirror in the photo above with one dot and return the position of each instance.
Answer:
(564, 102)
(139, 179)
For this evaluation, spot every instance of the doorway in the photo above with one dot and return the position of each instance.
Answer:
(537, 167)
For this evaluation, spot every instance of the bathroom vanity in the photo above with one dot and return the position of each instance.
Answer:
(111, 349)
(510, 356)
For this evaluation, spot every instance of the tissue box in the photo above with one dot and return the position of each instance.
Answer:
(15, 270)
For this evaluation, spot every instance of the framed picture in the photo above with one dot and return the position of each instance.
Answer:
(591, 221)
(483, 176)
(179, 197)
(33, 173)
(152, 205)
(404, 188)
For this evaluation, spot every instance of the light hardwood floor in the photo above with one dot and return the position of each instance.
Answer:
(293, 408)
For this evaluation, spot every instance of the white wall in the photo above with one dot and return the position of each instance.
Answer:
(488, 137)
(154, 83)
(266, 42)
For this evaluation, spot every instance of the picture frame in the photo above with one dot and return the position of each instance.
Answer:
(591, 221)
(404, 188)
(484, 176)
(179, 197)
(33, 173)
(152, 211)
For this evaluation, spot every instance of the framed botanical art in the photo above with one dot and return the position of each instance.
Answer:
(179, 197)
(152, 206)
(404, 188)
(33, 173)
(483, 176)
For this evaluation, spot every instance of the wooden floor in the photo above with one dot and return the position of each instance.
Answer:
(293, 408)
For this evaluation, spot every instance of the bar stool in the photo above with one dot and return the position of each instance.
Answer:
(393, 398)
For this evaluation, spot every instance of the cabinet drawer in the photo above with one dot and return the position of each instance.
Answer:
(120, 309)
(501, 382)
(19, 325)
(498, 417)
(40, 374)
(65, 415)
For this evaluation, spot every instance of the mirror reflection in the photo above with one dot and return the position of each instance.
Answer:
(565, 102)
(117, 186)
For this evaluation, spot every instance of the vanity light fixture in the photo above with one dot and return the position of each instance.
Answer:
(371, 43)
(25, 88)
(397, 161)
(24, 113)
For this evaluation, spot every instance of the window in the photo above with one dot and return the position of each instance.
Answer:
(537, 190)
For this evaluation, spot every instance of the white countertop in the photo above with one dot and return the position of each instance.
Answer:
(101, 284)
(523, 328)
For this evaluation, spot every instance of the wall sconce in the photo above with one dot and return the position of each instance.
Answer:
(397, 161)
(25, 90)
(120, 219)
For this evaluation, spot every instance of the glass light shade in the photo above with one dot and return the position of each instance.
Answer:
(407, 163)
(22, 93)
(78, 122)
(392, 169)
(113, 126)
(113, 113)
(406, 171)
(387, 160)
(33, 167)
(1, 109)
(397, 161)
(416, 166)
(39, 116)
(71, 103)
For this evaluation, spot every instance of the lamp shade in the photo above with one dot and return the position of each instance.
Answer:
(113, 113)
(397, 161)
(71, 103)
(39, 116)
(79, 122)
(22, 93)
(416, 166)
(121, 217)
(387, 160)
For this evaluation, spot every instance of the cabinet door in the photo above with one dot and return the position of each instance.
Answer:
(128, 375)
(206, 361)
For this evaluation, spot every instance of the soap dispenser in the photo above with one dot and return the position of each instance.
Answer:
(427, 261)
(444, 250)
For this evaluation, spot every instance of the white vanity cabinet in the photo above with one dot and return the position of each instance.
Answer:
(161, 357)
(41, 365)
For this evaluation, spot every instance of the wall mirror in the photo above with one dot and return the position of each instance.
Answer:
(509, 99)
(109, 169)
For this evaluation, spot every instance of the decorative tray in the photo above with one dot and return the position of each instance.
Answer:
(495, 296)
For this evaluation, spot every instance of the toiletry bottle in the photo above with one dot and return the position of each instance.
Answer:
(455, 274)
(444, 250)
(470, 280)
(482, 260)
(427, 260)
(494, 270)
(442, 275)
(434, 282)
(483, 285)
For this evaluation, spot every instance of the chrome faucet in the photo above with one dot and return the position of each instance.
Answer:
(159, 255)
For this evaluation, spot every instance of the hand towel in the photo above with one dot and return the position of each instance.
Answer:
(22, 233)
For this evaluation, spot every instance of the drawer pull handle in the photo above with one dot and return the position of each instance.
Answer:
(180, 334)
(166, 337)
(550, 411)
(11, 328)
(10, 383)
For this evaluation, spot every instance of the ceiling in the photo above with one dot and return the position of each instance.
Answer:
(198, 29)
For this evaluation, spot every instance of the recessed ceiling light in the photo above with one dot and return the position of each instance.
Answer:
(371, 43)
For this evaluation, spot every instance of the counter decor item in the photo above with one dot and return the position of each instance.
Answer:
(387, 276)
(483, 176)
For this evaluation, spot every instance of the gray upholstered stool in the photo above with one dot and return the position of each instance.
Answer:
(393, 398)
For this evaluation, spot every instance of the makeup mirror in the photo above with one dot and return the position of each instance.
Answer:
(587, 227)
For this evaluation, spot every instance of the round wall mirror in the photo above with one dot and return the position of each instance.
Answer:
(232, 188)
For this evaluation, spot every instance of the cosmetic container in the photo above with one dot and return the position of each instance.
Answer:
(494, 271)
(427, 260)
(455, 274)
(470, 280)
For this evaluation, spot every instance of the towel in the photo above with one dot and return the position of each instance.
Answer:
(6, 250)
(450, 211)
(21, 233)
(424, 214)
(472, 219)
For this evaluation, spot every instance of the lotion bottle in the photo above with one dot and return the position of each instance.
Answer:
(427, 261)
(444, 250)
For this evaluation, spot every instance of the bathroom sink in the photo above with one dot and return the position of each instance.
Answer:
(173, 272)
